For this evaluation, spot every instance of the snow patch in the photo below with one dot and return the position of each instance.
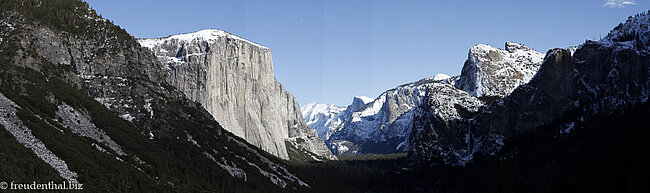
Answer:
(99, 148)
(148, 108)
(191, 139)
(127, 117)
(233, 170)
(207, 34)
(568, 129)
(403, 143)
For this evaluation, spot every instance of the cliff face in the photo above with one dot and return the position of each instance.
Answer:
(490, 71)
(233, 79)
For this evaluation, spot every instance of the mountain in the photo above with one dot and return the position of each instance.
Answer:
(384, 124)
(83, 102)
(233, 79)
(597, 78)
(326, 118)
(321, 116)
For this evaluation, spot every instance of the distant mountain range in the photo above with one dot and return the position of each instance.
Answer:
(384, 124)
(500, 93)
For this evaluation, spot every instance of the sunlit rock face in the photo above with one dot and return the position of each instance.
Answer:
(233, 79)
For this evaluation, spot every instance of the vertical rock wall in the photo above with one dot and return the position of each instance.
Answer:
(233, 79)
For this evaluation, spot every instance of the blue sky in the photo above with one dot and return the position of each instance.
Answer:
(330, 51)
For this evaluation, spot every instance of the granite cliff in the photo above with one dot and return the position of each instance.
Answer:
(233, 79)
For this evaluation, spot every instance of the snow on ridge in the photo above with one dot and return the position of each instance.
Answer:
(307, 107)
(206, 34)
(441, 77)
(312, 109)
(319, 117)
(510, 46)
(482, 48)
(637, 27)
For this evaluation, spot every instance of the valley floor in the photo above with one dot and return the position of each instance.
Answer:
(607, 154)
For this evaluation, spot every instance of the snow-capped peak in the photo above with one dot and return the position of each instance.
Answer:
(320, 116)
(481, 48)
(308, 107)
(441, 77)
(311, 110)
(206, 34)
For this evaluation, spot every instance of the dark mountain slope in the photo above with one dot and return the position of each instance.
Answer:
(608, 153)
(598, 77)
(97, 102)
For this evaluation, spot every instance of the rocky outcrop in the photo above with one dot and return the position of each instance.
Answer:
(444, 106)
(233, 79)
(598, 77)
(490, 71)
